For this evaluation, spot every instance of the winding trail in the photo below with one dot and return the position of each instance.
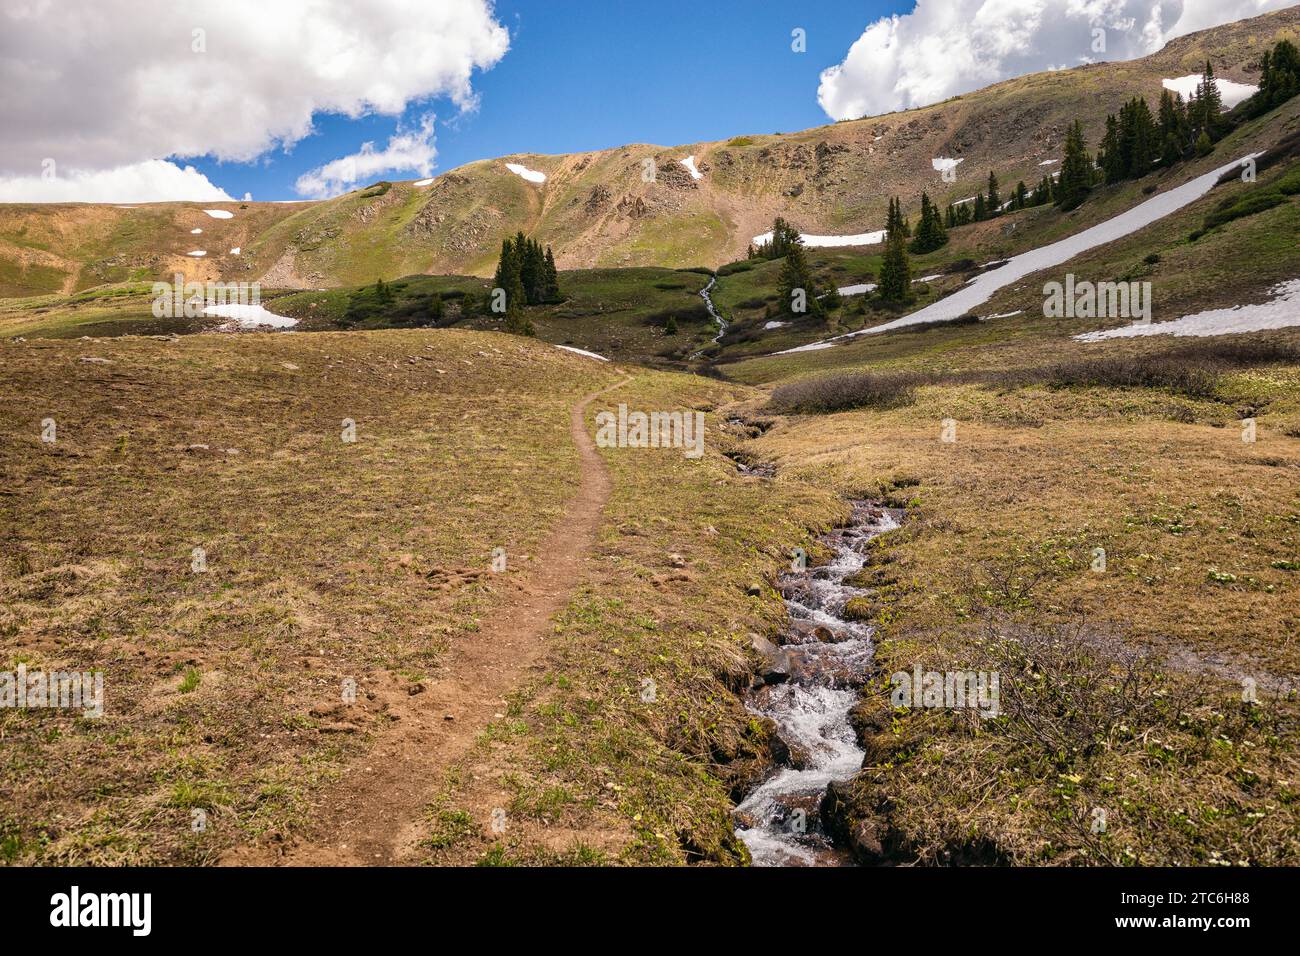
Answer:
(374, 815)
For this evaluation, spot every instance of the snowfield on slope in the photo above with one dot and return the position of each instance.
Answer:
(689, 163)
(1283, 311)
(828, 242)
(982, 288)
(532, 175)
(1231, 93)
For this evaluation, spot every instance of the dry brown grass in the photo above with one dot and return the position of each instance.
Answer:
(327, 560)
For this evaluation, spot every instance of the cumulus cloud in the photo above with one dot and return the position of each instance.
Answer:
(407, 151)
(946, 47)
(102, 85)
(155, 180)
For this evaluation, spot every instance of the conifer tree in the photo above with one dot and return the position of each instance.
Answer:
(981, 209)
(895, 272)
(993, 202)
(1209, 102)
(796, 286)
(930, 234)
(435, 309)
(1076, 170)
(551, 285)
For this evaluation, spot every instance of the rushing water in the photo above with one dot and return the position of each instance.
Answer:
(829, 659)
(708, 303)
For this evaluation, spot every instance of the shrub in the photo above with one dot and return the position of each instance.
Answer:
(1248, 204)
(846, 390)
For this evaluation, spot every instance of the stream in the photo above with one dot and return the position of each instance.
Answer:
(708, 302)
(829, 658)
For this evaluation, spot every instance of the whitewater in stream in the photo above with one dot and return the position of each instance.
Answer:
(982, 287)
(708, 303)
(778, 821)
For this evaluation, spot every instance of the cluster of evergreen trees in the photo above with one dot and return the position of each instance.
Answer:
(784, 238)
(1279, 79)
(527, 276)
(526, 273)
(989, 204)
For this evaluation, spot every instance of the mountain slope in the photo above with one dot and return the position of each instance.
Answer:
(597, 210)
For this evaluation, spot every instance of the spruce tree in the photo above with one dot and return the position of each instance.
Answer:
(1209, 103)
(930, 234)
(895, 272)
(795, 284)
(981, 209)
(435, 309)
(552, 280)
(1076, 170)
(1108, 154)
(993, 203)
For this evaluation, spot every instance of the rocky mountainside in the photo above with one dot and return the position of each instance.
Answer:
(634, 205)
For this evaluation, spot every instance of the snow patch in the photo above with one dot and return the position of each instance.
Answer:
(197, 253)
(235, 251)
(774, 325)
(1049, 162)
(570, 348)
(1282, 312)
(1231, 93)
(532, 175)
(423, 182)
(689, 163)
(942, 163)
(929, 278)
(1004, 315)
(219, 214)
(861, 239)
(195, 232)
(250, 316)
(861, 288)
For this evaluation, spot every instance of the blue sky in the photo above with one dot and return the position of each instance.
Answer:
(591, 74)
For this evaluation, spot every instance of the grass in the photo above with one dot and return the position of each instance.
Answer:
(317, 554)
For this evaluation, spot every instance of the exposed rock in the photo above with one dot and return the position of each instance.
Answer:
(775, 666)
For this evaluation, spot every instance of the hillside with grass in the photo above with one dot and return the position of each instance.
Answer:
(597, 209)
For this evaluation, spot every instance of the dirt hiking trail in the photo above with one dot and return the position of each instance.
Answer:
(373, 816)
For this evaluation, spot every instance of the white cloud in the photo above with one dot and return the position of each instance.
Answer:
(105, 84)
(946, 47)
(154, 180)
(408, 150)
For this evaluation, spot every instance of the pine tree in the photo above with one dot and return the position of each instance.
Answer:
(1021, 197)
(670, 327)
(1143, 144)
(930, 234)
(895, 272)
(1209, 102)
(993, 202)
(981, 209)
(795, 285)
(1108, 154)
(1279, 78)
(551, 284)
(1171, 128)
(435, 309)
(1076, 170)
